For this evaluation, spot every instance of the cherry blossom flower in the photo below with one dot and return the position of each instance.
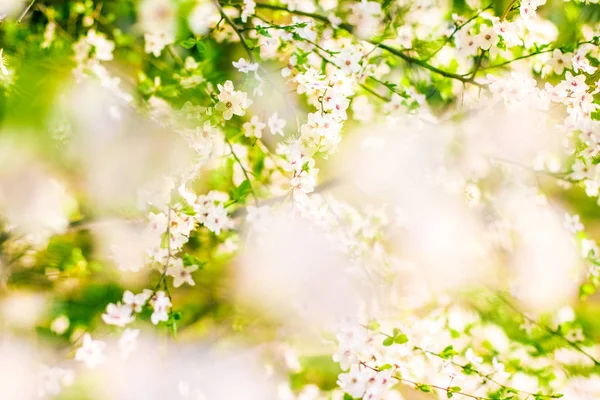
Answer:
(118, 315)
(528, 8)
(54, 379)
(202, 17)
(509, 32)
(161, 305)
(354, 382)
(91, 351)
(103, 48)
(60, 324)
(487, 38)
(128, 342)
(559, 62)
(232, 102)
(572, 223)
(276, 124)
(245, 66)
(248, 9)
(156, 42)
(180, 273)
(217, 219)
(135, 301)
(303, 183)
(254, 127)
(581, 62)
(349, 60)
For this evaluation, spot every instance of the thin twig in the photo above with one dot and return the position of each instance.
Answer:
(237, 159)
(531, 55)
(507, 10)
(455, 31)
(550, 331)
(418, 385)
(394, 51)
(25, 12)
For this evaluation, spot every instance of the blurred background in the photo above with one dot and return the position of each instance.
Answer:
(83, 162)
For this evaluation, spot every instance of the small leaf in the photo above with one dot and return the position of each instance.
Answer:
(188, 43)
(189, 259)
(388, 341)
(263, 31)
(188, 210)
(448, 352)
(164, 241)
(401, 339)
(201, 47)
(424, 387)
(242, 191)
(374, 325)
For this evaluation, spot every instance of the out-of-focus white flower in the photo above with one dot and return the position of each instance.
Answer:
(3, 63)
(247, 10)
(91, 351)
(161, 305)
(573, 223)
(11, 8)
(276, 124)
(128, 342)
(118, 315)
(60, 324)
(254, 127)
(54, 379)
(202, 17)
(156, 42)
(245, 66)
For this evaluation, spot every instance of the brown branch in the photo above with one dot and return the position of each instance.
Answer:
(417, 385)
(389, 49)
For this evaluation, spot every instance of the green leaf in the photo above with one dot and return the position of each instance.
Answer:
(385, 366)
(448, 352)
(201, 47)
(259, 166)
(374, 325)
(263, 31)
(188, 210)
(388, 341)
(188, 43)
(587, 289)
(189, 259)
(242, 191)
(164, 240)
(170, 91)
(401, 339)
(424, 387)
(173, 326)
